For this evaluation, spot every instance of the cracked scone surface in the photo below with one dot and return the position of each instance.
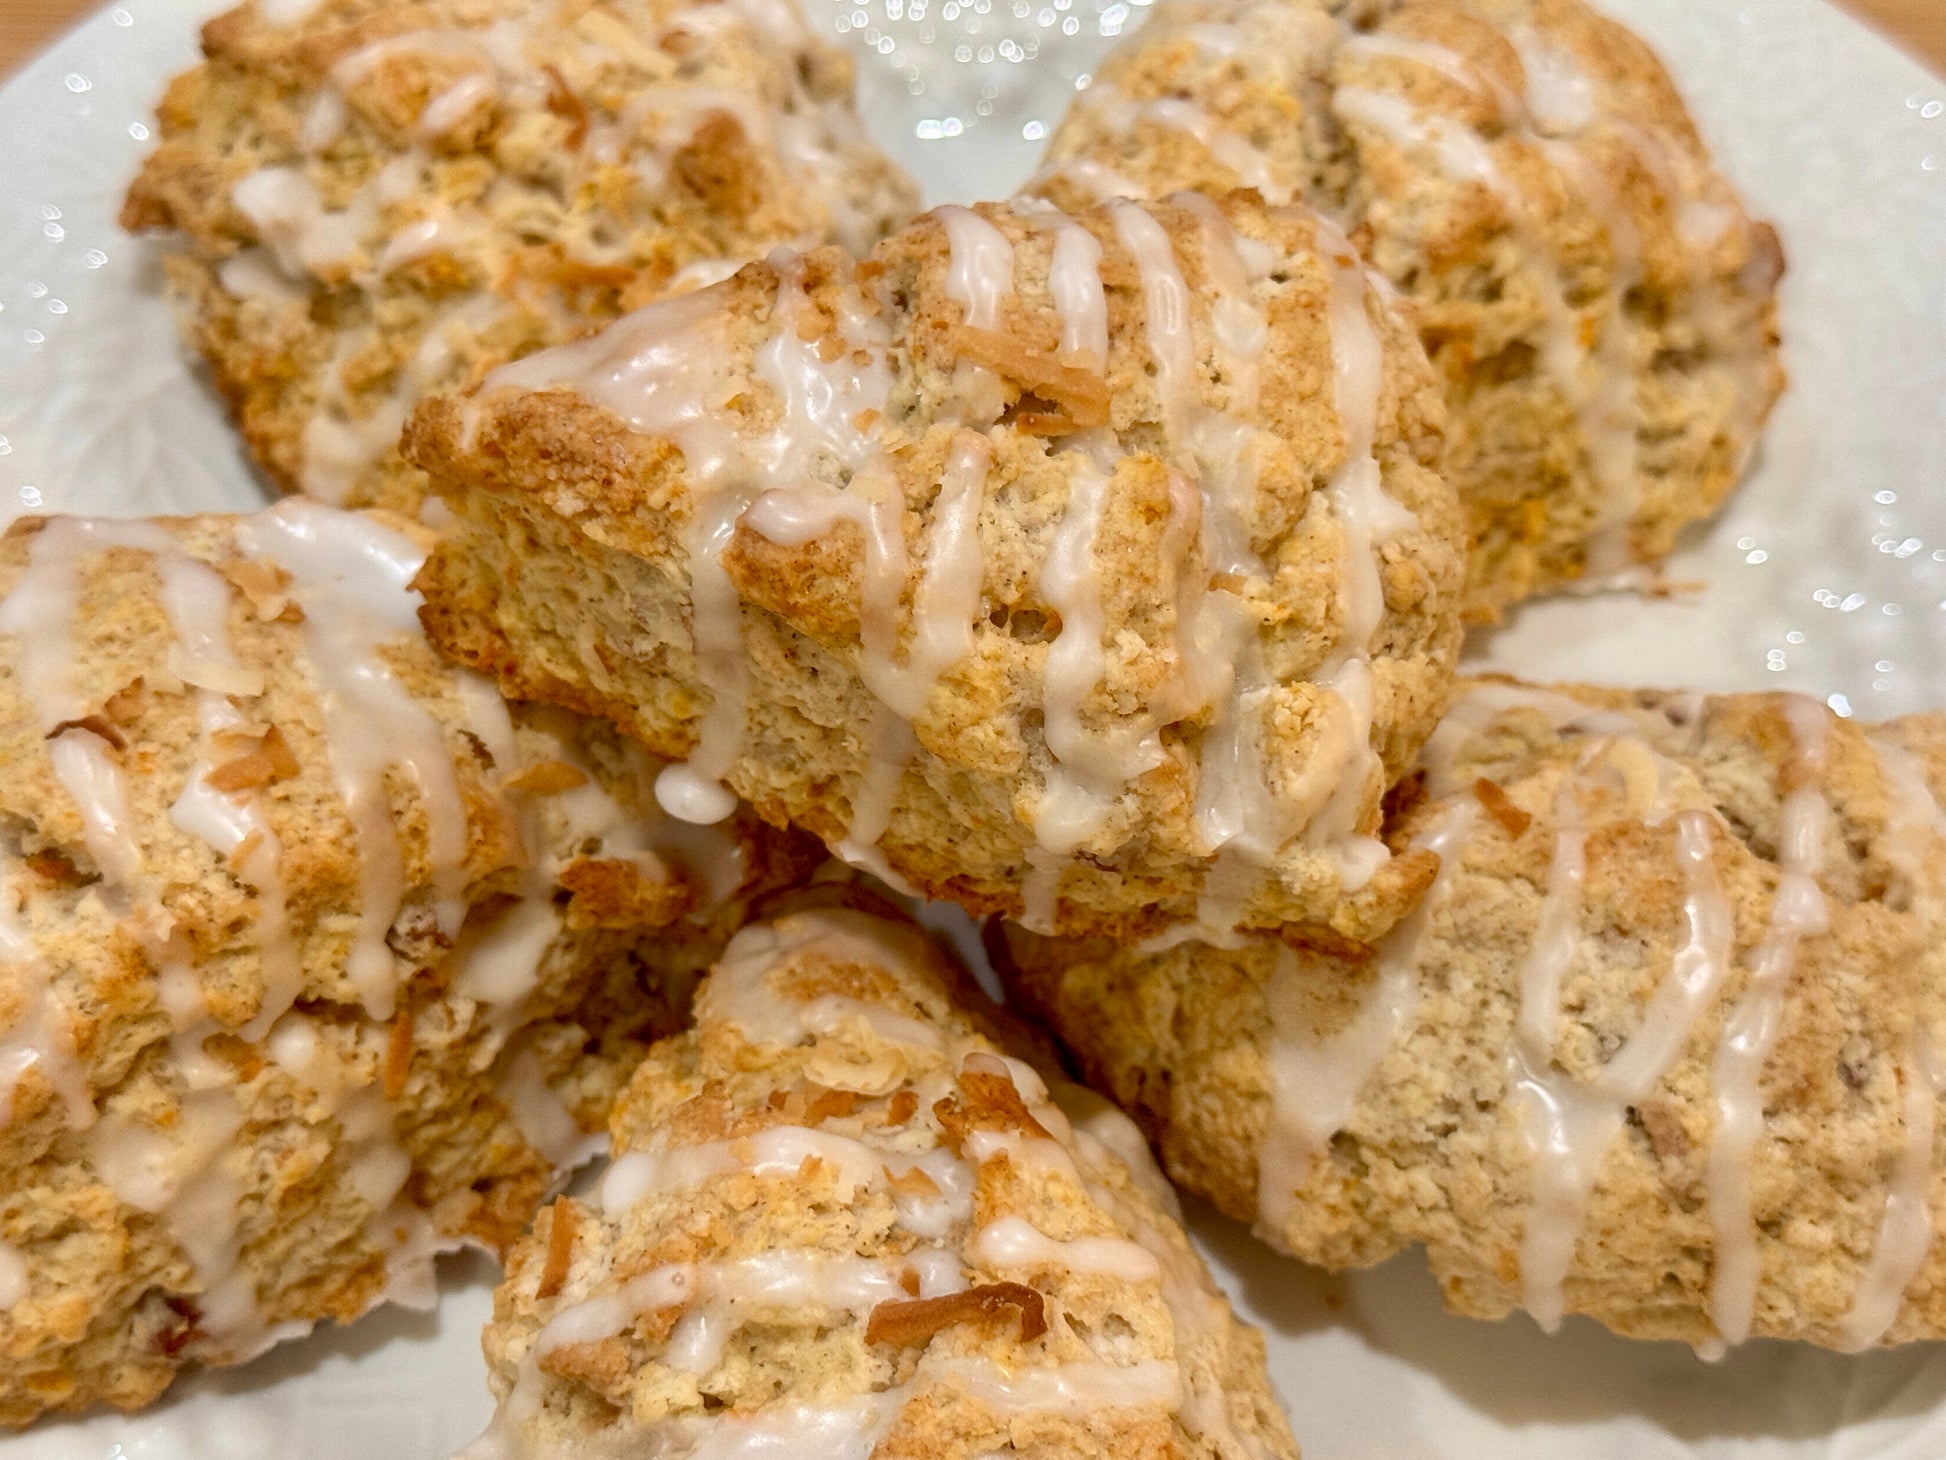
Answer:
(842, 1218)
(314, 957)
(376, 200)
(1089, 569)
(1598, 302)
(1660, 1046)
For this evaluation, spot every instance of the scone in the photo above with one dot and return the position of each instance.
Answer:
(1089, 569)
(1662, 1045)
(314, 957)
(1597, 301)
(374, 199)
(842, 1220)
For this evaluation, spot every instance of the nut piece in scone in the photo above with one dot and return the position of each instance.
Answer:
(1091, 569)
(316, 957)
(1661, 1045)
(844, 1219)
(372, 199)
(1600, 306)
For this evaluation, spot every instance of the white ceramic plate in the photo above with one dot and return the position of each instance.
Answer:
(1828, 574)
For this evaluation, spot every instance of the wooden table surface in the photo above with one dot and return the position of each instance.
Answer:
(1920, 25)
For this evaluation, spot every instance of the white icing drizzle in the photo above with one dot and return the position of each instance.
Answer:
(979, 275)
(775, 1151)
(1252, 167)
(539, 1114)
(1097, 180)
(1797, 912)
(1165, 313)
(981, 271)
(197, 601)
(1913, 804)
(1561, 97)
(1089, 765)
(1368, 518)
(1214, 630)
(1570, 1124)
(376, 1167)
(1602, 399)
(41, 1035)
(722, 1294)
(1012, 1243)
(352, 579)
(40, 612)
(1443, 59)
(1074, 281)
(739, 995)
(945, 604)
(1905, 1232)
(1315, 1081)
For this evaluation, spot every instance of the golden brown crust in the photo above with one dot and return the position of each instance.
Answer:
(1703, 824)
(381, 199)
(571, 574)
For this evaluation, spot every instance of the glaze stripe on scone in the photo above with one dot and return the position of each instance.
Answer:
(1090, 569)
(842, 1220)
(377, 199)
(1600, 305)
(1661, 1045)
(314, 956)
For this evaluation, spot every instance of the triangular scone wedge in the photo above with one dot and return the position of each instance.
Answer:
(1662, 1045)
(843, 1221)
(315, 955)
(1096, 570)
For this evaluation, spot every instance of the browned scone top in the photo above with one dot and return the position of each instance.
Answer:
(1661, 1045)
(315, 957)
(1089, 569)
(1600, 306)
(842, 1218)
(377, 199)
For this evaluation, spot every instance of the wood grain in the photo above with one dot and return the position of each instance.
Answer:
(1918, 25)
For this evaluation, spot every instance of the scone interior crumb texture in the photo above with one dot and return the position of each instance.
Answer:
(372, 199)
(1599, 305)
(842, 1219)
(315, 958)
(1093, 569)
(1662, 1045)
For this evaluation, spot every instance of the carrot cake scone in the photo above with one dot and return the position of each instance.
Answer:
(1662, 1045)
(1599, 304)
(375, 199)
(314, 957)
(843, 1221)
(1091, 569)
